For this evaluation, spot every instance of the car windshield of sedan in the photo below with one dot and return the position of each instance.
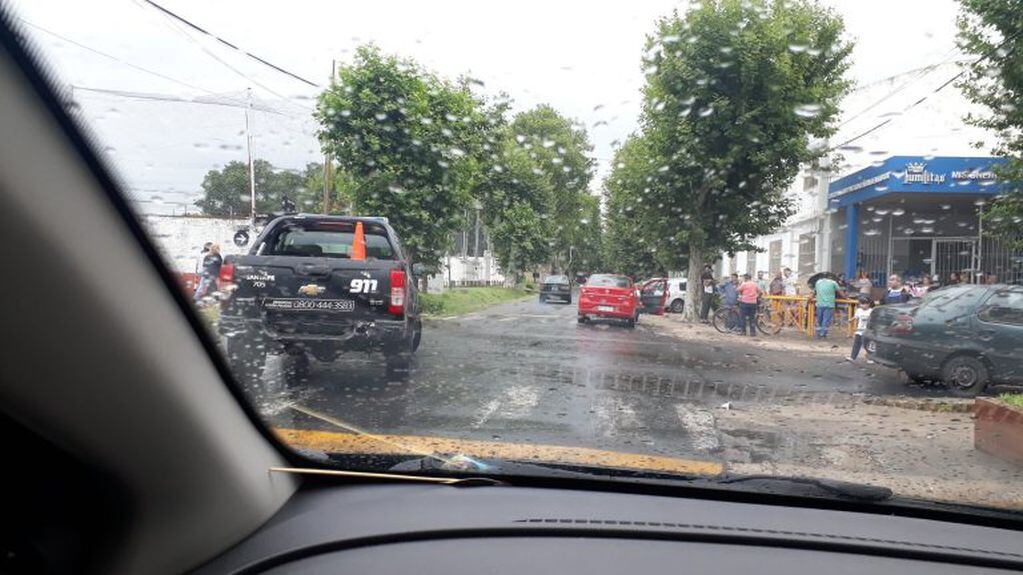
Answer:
(364, 205)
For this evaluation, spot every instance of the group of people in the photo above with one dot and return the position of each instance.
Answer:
(743, 295)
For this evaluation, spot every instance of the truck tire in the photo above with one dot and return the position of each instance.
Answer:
(677, 305)
(246, 355)
(417, 336)
(399, 361)
(965, 375)
(295, 368)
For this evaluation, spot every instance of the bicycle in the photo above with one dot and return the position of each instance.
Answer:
(726, 319)
(769, 320)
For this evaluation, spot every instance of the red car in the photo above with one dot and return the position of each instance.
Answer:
(609, 296)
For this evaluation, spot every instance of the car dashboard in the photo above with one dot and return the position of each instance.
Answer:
(498, 529)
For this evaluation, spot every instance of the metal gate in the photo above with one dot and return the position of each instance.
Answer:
(955, 256)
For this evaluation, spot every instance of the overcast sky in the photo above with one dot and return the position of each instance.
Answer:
(580, 56)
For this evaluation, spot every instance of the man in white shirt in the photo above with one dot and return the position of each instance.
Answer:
(790, 282)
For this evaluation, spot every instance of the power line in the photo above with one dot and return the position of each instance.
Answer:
(171, 98)
(118, 60)
(935, 91)
(223, 62)
(919, 73)
(231, 45)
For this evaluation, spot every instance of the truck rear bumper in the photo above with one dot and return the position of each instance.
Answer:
(364, 335)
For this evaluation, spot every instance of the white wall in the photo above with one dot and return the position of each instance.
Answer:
(181, 238)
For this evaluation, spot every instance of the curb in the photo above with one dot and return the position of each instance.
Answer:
(944, 405)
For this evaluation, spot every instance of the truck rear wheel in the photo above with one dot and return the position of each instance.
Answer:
(246, 355)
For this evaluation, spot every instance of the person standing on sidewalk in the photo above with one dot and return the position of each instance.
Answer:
(211, 263)
(707, 296)
(863, 284)
(862, 317)
(730, 300)
(762, 281)
(789, 280)
(825, 290)
(777, 285)
(749, 295)
(897, 293)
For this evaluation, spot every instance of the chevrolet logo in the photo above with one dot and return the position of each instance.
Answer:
(311, 289)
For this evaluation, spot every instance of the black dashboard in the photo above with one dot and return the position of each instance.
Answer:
(444, 529)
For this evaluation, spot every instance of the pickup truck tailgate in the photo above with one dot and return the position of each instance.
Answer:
(312, 296)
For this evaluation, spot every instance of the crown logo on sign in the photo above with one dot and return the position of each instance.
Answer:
(915, 167)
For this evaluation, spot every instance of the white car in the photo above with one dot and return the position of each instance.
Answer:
(668, 294)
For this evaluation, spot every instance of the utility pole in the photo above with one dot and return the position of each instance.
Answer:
(252, 175)
(327, 167)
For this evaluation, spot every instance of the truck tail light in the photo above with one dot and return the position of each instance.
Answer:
(227, 273)
(397, 305)
(902, 325)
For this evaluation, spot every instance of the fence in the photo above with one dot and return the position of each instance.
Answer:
(799, 312)
(474, 283)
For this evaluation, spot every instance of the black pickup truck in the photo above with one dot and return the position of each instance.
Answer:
(320, 285)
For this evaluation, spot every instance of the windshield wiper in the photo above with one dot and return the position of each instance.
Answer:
(807, 486)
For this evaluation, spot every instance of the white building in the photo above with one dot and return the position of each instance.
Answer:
(911, 114)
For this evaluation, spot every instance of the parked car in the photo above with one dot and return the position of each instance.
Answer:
(663, 294)
(609, 296)
(556, 288)
(965, 335)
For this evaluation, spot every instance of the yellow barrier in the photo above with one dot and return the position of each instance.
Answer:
(798, 311)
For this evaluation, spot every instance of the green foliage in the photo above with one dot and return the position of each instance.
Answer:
(735, 91)
(1015, 399)
(993, 30)
(411, 142)
(631, 247)
(516, 196)
(226, 191)
(341, 194)
(464, 300)
(560, 150)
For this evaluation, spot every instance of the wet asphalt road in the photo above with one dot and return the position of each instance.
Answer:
(526, 372)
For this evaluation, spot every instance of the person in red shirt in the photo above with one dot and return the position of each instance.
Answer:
(749, 295)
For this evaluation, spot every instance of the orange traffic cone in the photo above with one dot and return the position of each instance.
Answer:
(359, 243)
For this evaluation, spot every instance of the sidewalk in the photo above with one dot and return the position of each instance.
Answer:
(915, 453)
(788, 339)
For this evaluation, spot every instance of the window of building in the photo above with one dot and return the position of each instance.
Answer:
(807, 255)
(774, 256)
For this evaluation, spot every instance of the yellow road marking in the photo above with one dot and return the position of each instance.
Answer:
(333, 442)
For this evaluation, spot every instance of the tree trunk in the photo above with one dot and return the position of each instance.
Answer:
(694, 287)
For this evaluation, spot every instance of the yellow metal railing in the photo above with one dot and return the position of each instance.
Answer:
(799, 312)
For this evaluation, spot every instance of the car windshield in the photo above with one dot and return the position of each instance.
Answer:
(608, 281)
(367, 204)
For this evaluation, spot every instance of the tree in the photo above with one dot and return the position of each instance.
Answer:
(993, 30)
(341, 193)
(560, 150)
(735, 91)
(516, 198)
(630, 246)
(410, 141)
(226, 191)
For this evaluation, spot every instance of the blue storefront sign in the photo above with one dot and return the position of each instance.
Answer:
(908, 175)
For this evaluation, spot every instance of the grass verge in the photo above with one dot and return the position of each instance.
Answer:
(460, 301)
(1015, 399)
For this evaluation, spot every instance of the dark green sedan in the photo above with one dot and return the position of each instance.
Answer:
(965, 335)
(556, 288)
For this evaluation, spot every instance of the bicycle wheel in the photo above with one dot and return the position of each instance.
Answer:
(768, 321)
(720, 319)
